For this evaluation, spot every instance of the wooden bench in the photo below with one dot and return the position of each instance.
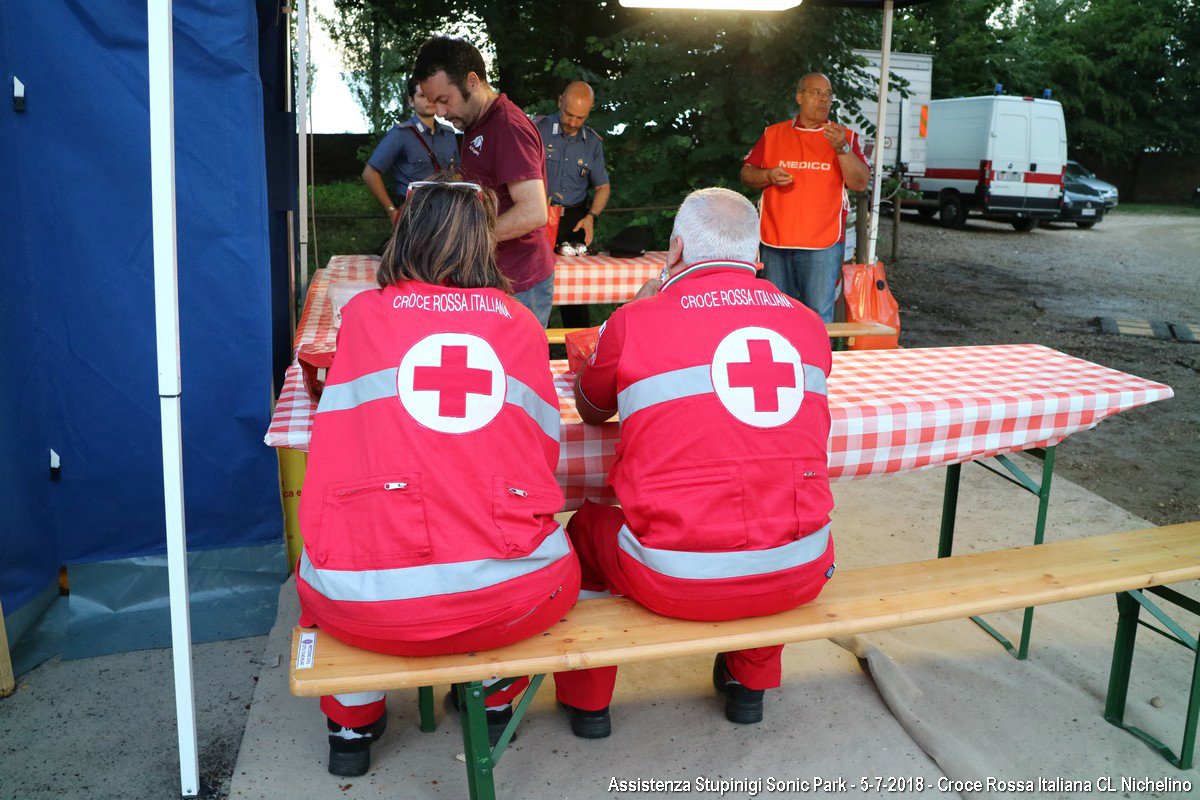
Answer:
(610, 631)
(836, 330)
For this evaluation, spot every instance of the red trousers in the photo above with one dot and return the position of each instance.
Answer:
(364, 708)
(593, 531)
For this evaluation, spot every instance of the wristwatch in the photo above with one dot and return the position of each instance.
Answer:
(592, 214)
(845, 148)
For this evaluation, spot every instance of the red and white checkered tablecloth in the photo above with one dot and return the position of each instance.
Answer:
(582, 279)
(316, 323)
(892, 411)
(578, 280)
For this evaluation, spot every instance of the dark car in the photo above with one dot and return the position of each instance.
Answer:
(1081, 204)
(1078, 173)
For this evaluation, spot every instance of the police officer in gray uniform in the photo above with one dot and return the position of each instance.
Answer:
(574, 162)
(411, 151)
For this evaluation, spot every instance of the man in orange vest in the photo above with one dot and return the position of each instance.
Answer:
(804, 168)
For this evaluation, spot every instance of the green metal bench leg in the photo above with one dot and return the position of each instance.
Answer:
(425, 702)
(1193, 717)
(1129, 606)
(949, 512)
(1122, 659)
(480, 783)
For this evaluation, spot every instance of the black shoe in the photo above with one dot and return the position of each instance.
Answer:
(589, 724)
(743, 706)
(497, 719)
(350, 758)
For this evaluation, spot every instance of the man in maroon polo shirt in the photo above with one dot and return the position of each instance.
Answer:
(501, 150)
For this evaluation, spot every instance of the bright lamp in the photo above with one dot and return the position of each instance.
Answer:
(715, 5)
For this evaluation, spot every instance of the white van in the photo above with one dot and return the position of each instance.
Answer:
(999, 155)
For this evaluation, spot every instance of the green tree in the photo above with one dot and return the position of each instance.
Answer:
(681, 95)
(695, 90)
(1127, 74)
(375, 72)
(537, 46)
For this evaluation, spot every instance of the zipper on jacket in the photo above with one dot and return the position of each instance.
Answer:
(518, 492)
(375, 488)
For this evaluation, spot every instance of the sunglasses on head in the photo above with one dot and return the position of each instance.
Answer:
(418, 184)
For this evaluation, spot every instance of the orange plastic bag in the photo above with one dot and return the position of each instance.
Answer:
(315, 360)
(580, 346)
(553, 215)
(868, 299)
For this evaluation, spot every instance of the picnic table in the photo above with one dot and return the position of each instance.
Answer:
(891, 411)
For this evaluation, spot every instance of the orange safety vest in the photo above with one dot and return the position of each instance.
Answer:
(808, 213)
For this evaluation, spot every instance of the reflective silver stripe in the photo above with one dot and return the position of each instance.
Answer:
(738, 564)
(359, 698)
(687, 382)
(671, 385)
(545, 415)
(363, 389)
(814, 379)
(430, 580)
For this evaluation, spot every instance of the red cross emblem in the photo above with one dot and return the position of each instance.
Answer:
(763, 374)
(451, 382)
(758, 376)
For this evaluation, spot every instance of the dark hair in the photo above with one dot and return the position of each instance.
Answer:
(446, 235)
(410, 88)
(456, 57)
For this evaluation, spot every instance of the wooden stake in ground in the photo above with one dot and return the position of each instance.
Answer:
(8, 683)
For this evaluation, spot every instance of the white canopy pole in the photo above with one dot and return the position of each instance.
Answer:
(880, 131)
(166, 321)
(302, 126)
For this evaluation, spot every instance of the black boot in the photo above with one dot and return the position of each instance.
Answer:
(589, 724)
(350, 748)
(743, 706)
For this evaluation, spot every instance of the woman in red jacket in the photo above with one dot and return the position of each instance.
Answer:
(428, 505)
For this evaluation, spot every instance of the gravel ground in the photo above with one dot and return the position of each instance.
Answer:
(988, 284)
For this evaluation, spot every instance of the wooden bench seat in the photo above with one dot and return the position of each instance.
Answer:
(836, 330)
(610, 631)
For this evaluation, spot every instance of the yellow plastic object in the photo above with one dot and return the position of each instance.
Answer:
(292, 464)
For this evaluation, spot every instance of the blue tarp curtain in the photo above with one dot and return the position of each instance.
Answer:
(77, 305)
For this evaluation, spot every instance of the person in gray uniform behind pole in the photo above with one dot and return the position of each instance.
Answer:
(574, 163)
(411, 151)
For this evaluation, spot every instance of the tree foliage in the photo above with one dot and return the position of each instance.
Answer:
(367, 41)
(1126, 73)
(681, 96)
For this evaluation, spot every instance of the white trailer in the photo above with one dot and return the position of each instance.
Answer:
(998, 155)
(905, 114)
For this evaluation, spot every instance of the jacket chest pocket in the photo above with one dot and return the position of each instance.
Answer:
(519, 509)
(373, 523)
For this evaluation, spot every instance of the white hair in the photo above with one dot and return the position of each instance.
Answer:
(717, 225)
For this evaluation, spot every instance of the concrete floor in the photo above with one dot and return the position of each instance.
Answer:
(929, 703)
